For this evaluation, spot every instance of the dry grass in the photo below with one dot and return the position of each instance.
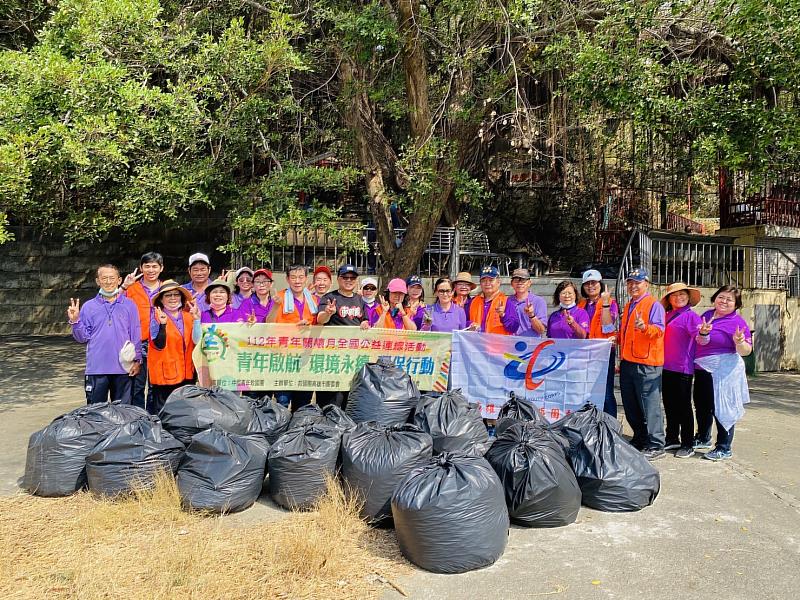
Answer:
(147, 547)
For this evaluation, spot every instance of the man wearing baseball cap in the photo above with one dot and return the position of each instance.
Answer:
(641, 347)
(531, 309)
(342, 307)
(199, 273)
(487, 312)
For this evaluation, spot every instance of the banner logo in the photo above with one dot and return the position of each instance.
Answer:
(529, 359)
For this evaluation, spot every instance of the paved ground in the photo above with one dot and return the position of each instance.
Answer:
(729, 530)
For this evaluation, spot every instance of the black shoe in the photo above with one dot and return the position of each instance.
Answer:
(685, 452)
(671, 446)
(653, 453)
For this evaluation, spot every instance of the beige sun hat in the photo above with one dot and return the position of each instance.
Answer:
(171, 284)
(465, 277)
(679, 286)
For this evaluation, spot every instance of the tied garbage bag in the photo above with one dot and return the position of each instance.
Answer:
(131, 455)
(222, 472)
(299, 463)
(56, 461)
(114, 413)
(270, 418)
(307, 415)
(454, 424)
(517, 410)
(383, 393)
(336, 417)
(191, 409)
(588, 414)
(375, 458)
(613, 475)
(539, 485)
(450, 515)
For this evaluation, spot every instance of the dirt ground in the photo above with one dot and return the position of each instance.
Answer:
(729, 529)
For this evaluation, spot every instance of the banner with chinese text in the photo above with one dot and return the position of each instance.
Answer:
(237, 356)
(559, 376)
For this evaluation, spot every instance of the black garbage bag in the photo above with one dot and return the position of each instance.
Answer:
(375, 458)
(613, 475)
(56, 461)
(270, 418)
(588, 414)
(454, 424)
(336, 417)
(307, 415)
(383, 393)
(299, 463)
(450, 515)
(191, 409)
(222, 472)
(517, 410)
(131, 455)
(114, 413)
(539, 485)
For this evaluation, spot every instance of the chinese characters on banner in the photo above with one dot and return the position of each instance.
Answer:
(559, 376)
(237, 356)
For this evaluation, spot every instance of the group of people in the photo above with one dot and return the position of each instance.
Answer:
(141, 332)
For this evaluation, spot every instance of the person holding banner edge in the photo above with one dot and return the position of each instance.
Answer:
(603, 314)
(444, 314)
(641, 347)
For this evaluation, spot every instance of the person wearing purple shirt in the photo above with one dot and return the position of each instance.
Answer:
(105, 324)
(722, 331)
(682, 324)
(463, 287)
(256, 307)
(218, 297)
(416, 300)
(567, 321)
(444, 314)
(531, 309)
(369, 292)
(243, 286)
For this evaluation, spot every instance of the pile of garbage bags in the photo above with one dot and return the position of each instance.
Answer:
(383, 393)
(454, 423)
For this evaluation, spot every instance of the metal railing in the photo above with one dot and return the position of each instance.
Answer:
(708, 264)
(450, 250)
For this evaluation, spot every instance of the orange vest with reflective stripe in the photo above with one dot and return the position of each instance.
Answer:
(637, 346)
(596, 324)
(138, 294)
(292, 317)
(173, 364)
(386, 321)
(493, 322)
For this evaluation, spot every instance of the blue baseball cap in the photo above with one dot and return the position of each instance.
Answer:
(348, 269)
(638, 274)
(414, 280)
(489, 271)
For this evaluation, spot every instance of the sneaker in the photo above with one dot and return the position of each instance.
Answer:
(700, 445)
(684, 453)
(653, 453)
(672, 446)
(718, 454)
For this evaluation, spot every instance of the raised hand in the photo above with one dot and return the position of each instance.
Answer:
(161, 316)
(639, 323)
(251, 318)
(738, 336)
(705, 327)
(568, 317)
(400, 310)
(529, 311)
(500, 309)
(74, 309)
(330, 308)
(384, 303)
(194, 310)
(131, 278)
(605, 297)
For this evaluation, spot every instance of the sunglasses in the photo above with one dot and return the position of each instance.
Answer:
(370, 288)
(349, 278)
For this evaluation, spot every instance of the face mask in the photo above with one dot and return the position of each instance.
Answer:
(567, 306)
(106, 294)
(369, 302)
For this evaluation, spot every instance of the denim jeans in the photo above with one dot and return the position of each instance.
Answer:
(641, 398)
(704, 411)
(297, 399)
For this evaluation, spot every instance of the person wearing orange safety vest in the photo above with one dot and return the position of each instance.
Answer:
(394, 313)
(174, 331)
(141, 286)
(603, 314)
(294, 305)
(641, 349)
(487, 311)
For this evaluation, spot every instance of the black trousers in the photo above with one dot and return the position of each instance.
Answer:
(676, 392)
(158, 395)
(337, 398)
(704, 410)
(102, 388)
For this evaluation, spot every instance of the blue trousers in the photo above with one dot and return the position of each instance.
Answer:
(297, 399)
(140, 381)
(102, 388)
(641, 398)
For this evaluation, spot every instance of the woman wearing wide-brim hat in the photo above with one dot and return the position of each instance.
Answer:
(462, 288)
(174, 331)
(218, 296)
(682, 325)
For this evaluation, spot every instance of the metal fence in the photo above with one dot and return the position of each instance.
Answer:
(709, 264)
